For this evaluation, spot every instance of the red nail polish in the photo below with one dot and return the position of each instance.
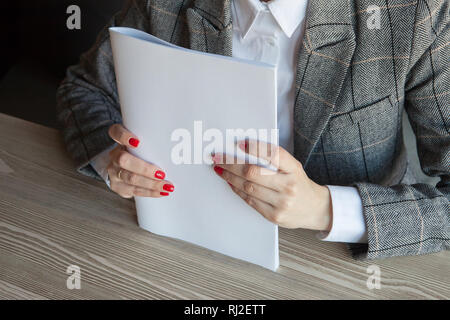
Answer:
(244, 145)
(165, 194)
(218, 170)
(169, 187)
(134, 142)
(160, 175)
(230, 184)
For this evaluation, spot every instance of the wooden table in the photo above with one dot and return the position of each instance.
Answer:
(52, 217)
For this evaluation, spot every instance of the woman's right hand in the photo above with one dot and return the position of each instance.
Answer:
(130, 176)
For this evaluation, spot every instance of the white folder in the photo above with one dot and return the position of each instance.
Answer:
(166, 90)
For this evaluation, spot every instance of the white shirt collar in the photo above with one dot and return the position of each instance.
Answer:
(288, 13)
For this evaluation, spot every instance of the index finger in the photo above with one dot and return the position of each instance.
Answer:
(249, 172)
(122, 136)
(273, 154)
(127, 161)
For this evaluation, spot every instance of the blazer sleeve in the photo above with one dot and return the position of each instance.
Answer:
(415, 219)
(87, 100)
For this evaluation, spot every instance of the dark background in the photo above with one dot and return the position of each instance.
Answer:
(37, 48)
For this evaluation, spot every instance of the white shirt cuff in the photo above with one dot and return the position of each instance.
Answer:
(348, 223)
(100, 164)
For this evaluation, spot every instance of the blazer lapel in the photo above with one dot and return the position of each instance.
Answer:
(210, 28)
(325, 55)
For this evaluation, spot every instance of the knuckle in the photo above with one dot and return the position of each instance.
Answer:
(251, 172)
(275, 159)
(121, 190)
(274, 155)
(249, 187)
(134, 190)
(290, 189)
(140, 192)
(250, 201)
(148, 170)
(124, 195)
(110, 169)
(133, 179)
(278, 217)
(152, 184)
(300, 166)
(156, 185)
(285, 204)
(226, 176)
(114, 186)
(123, 159)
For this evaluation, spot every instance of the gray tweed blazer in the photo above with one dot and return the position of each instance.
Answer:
(353, 84)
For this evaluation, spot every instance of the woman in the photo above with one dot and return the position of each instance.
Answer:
(343, 82)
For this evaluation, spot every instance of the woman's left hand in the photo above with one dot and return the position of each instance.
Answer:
(286, 197)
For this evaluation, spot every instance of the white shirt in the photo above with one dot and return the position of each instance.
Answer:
(258, 35)
(271, 32)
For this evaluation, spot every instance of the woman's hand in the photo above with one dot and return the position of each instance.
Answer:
(287, 197)
(131, 176)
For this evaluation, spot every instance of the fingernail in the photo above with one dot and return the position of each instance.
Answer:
(134, 142)
(165, 194)
(230, 184)
(169, 187)
(218, 170)
(160, 175)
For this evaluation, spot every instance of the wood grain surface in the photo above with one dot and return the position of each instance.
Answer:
(52, 217)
